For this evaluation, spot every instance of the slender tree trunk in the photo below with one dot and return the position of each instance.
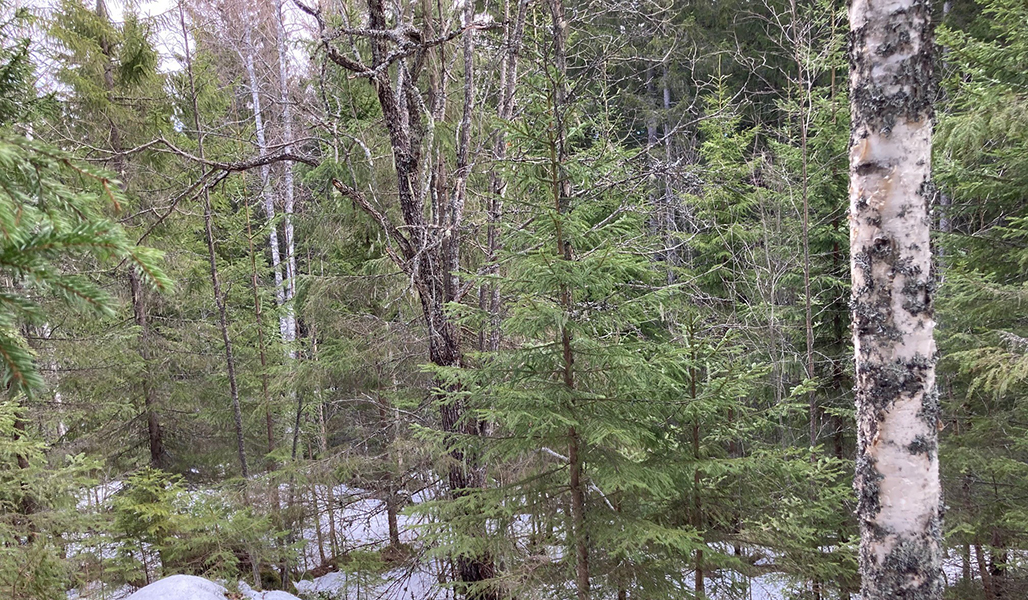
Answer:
(316, 513)
(288, 189)
(561, 189)
(699, 584)
(984, 572)
(267, 192)
(28, 505)
(155, 436)
(208, 221)
(651, 119)
(489, 293)
(839, 328)
(897, 477)
(799, 43)
(387, 428)
(269, 422)
(998, 557)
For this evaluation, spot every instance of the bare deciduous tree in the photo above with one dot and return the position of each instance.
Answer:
(408, 69)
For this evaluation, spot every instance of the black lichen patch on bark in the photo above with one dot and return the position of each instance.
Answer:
(917, 296)
(906, 88)
(930, 412)
(866, 484)
(923, 445)
(912, 570)
(907, 267)
(885, 383)
(929, 192)
(871, 304)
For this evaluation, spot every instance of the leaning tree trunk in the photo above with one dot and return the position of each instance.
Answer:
(219, 299)
(897, 474)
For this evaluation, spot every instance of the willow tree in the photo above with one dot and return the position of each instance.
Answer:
(897, 474)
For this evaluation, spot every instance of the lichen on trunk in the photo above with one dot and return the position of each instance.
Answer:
(897, 475)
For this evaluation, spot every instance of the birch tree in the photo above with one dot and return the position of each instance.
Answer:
(247, 52)
(897, 471)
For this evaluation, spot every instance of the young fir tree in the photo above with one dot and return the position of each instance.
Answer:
(113, 99)
(806, 176)
(743, 264)
(55, 238)
(982, 174)
(676, 454)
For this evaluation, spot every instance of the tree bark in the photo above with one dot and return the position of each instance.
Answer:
(266, 189)
(489, 294)
(897, 474)
(158, 454)
(561, 189)
(288, 190)
(155, 436)
(427, 245)
(799, 44)
(984, 572)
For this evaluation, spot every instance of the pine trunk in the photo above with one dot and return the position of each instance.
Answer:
(897, 476)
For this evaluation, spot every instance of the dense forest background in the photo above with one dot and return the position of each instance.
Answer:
(560, 288)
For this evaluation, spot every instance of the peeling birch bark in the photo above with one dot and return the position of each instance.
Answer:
(897, 474)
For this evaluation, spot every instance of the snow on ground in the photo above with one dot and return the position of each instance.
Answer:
(180, 587)
(98, 496)
(360, 521)
(252, 594)
(400, 584)
(99, 590)
(361, 524)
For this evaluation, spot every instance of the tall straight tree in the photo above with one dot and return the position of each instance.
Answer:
(897, 473)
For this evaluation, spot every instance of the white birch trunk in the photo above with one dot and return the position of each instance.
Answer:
(897, 478)
(288, 197)
(266, 190)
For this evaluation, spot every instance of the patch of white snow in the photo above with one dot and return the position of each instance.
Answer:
(180, 587)
(252, 594)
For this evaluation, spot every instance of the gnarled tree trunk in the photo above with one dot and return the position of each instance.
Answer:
(407, 70)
